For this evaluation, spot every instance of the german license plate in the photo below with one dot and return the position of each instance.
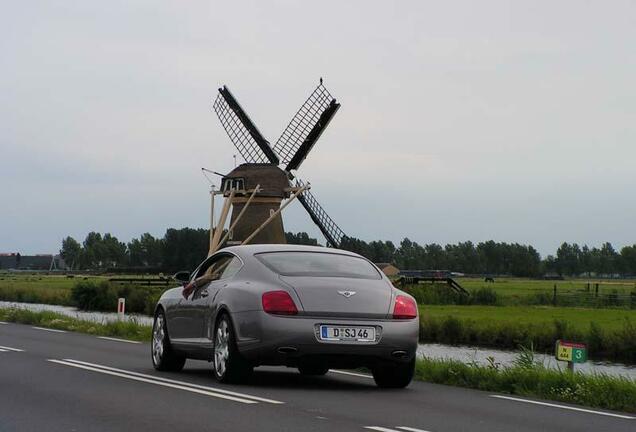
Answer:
(344, 333)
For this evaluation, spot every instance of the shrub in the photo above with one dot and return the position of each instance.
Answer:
(102, 296)
(99, 296)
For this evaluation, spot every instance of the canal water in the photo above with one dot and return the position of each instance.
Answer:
(466, 354)
(502, 358)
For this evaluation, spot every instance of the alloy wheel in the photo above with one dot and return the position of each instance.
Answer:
(221, 348)
(158, 336)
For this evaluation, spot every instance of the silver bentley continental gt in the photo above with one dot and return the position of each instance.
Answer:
(307, 307)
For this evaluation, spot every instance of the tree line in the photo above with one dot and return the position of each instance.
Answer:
(182, 249)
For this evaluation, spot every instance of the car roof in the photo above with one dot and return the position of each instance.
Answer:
(245, 250)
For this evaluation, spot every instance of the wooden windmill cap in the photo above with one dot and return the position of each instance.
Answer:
(273, 181)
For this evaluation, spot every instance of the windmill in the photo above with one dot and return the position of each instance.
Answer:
(256, 188)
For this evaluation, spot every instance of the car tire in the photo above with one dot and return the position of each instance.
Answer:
(397, 375)
(228, 364)
(313, 370)
(164, 358)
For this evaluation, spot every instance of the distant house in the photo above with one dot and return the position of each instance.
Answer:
(388, 269)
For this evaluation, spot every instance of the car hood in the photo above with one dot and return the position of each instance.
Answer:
(341, 297)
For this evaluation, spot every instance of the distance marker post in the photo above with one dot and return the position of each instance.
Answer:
(121, 308)
(571, 352)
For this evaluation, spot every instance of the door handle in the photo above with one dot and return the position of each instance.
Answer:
(204, 293)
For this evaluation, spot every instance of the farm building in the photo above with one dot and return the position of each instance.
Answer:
(388, 269)
(15, 261)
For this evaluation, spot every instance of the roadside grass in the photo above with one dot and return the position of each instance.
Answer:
(609, 333)
(592, 390)
(526, 378)
(124, 329)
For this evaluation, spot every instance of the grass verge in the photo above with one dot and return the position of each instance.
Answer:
(125, 329)
(592, 390)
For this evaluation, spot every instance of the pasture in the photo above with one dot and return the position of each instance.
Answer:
(519, 287)
(578, 319)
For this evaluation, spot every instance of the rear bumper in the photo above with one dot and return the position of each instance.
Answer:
(282, 340)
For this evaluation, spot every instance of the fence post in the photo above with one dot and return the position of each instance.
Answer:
(554, 296)
(596, 290)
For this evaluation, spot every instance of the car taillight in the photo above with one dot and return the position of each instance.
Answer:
(279, 303)
(405, 308)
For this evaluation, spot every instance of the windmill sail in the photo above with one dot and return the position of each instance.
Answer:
(305, 127)
(327, 226)
(242, 132)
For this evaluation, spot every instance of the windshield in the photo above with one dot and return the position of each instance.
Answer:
(318, 264)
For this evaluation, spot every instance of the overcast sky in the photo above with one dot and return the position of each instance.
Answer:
(513, 121)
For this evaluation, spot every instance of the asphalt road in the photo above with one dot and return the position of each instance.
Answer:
(64, 381)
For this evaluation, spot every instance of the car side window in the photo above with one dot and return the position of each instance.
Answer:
(202, 268)
(219, 267)
(231, 268)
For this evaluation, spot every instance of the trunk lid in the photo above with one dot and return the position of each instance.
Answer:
(341, 297)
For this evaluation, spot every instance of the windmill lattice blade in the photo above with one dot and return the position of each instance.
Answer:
(242, 132)
(305, 127)
(327, 226)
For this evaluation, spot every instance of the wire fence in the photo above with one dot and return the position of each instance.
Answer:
(590, 295)
(593, 295)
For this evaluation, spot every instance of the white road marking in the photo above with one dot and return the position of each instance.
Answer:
(156, 382)
(6, 348)
(117, 339)
(2, 350)
(184, 383)
(49, 330)
(2, 322)
(350, 373)
(564, 407)
(383, 429)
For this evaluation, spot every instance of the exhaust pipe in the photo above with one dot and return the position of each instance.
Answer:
(399, 354)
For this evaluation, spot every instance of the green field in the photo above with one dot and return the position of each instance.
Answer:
(518, 287)
(529, 292)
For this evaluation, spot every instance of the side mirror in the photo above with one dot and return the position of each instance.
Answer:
(182, 277)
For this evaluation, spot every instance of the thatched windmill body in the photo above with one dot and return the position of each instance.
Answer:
(256, 189)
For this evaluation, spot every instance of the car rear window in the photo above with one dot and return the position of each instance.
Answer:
(318, 264)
